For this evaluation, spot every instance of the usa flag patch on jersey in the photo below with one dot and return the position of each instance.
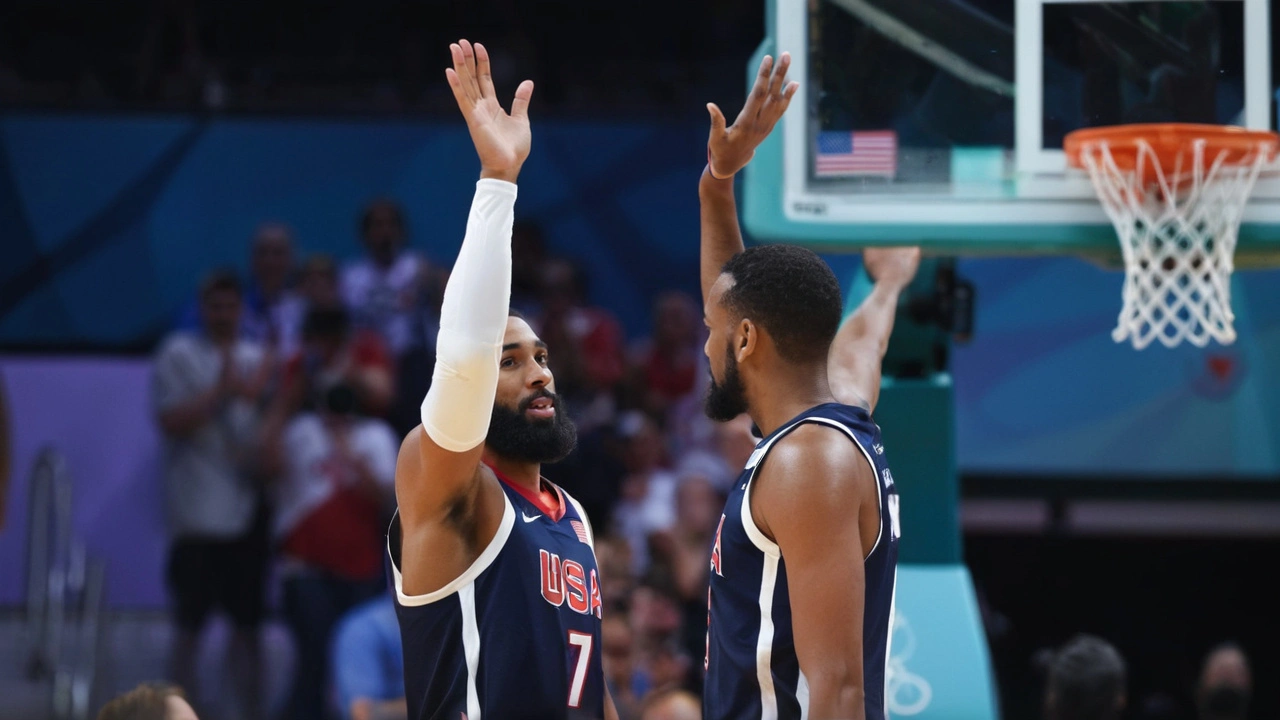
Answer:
(580, 530)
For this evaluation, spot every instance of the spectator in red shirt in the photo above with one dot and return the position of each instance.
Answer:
(665, 365)
(334, 486)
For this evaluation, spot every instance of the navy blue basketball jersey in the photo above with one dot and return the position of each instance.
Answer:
(752, 670)
(518, 634)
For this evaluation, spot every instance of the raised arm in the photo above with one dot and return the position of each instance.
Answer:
(729, 149)
(853, 365)
(439, 461)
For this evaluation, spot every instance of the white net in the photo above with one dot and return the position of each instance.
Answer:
(1177, 229)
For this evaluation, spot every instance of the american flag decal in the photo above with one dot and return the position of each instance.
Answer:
(842, 153)
(580, 530)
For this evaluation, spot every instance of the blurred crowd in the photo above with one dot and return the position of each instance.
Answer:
(1086, 679)
(383, 56)
(283, 397)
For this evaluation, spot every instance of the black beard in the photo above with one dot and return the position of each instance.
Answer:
(512, 435)
(728, 401)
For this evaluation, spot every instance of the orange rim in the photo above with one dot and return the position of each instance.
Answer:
(1169, 140)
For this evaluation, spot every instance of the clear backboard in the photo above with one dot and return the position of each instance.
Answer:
(941, 122)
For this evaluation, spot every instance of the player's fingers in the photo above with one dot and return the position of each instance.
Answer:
(483, 72)
(778, 77)
(465, 103)
(776, 106)
(717, 119)
(766, 66)
(454, 84)
(520, 105)
(467, 69)
(759, 89)
(464, 89)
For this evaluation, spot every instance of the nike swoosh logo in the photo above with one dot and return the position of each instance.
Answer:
(529, 519)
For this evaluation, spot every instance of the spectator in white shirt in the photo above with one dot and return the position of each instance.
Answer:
(390, 289)
(206, 388)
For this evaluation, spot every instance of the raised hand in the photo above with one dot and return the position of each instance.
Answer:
(730, 149)
(502, 140)
(892, 265)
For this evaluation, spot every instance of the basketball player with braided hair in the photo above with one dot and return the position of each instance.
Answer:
(496, 585)
(804, 561)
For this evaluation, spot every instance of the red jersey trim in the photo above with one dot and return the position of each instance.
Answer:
(555, 513)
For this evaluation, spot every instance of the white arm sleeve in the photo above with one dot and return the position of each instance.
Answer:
(473, 320)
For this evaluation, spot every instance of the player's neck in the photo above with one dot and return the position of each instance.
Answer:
(786, 395)
(525, 475)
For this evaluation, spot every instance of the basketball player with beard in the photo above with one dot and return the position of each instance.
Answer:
(496, 585)
(803, 565)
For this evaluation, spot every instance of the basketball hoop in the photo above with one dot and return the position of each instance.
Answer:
(1176, 194)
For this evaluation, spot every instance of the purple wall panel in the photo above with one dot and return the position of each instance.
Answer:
(96, 412)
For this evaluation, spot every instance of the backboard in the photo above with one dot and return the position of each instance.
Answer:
(940, 122)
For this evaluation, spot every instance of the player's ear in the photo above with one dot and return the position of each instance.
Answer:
(745, 338)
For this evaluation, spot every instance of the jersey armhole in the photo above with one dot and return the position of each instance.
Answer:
(468, 576)
(762, 541)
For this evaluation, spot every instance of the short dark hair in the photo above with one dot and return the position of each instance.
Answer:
(145, 702)
(1086, 681)
(219, 281)
(512, 312)
(791, 293)
(397, 212)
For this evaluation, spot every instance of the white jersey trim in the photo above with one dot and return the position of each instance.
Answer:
(764, 642)
(470, 646)
(758, 538)
(591, 533)
(888, 642)
(469, 575)
(802, 695)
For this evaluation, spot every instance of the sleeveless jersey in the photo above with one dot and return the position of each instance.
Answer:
(752, 670)
(518, 634)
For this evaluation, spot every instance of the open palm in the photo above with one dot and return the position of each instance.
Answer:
(502, 140)
(730, 148)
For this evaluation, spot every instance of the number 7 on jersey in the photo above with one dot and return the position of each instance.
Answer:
(583, 641)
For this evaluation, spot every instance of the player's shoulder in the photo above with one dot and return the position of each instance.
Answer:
(813, 450)
(813, 465)
(815, 440)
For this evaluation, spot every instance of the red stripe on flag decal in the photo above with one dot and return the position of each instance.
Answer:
(854, 153)
(580, 530)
